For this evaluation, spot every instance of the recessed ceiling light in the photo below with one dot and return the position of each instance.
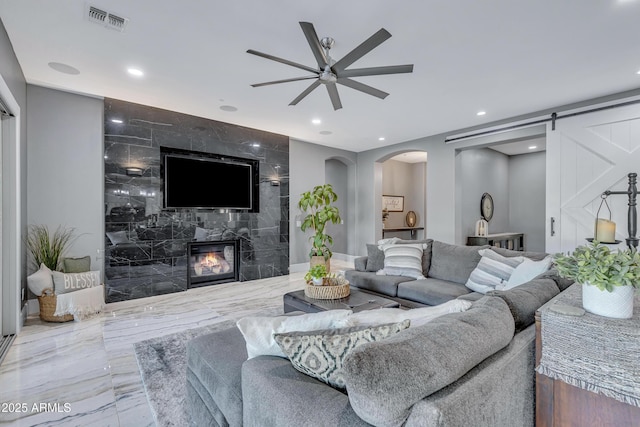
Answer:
(381, 138)
(481, 113)
(63, 68)
(229, 108)
(135, 72)
(116, 121)
(533, 147)
(316, 121)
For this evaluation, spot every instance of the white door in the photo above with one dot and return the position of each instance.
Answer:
(587, 155)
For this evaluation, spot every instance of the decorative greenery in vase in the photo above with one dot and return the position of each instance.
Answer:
(317, 205)
(316, 274)
(596, 265)
(46, 248)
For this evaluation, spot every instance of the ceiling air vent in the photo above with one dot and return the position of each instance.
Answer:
(106, 19)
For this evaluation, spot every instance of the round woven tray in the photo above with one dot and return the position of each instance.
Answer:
(327, 292)
(48, 306)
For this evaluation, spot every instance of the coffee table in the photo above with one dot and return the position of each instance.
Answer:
(356, 301)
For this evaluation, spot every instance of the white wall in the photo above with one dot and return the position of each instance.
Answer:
(66, 166)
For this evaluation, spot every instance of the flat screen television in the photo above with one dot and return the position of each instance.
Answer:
(209, 181)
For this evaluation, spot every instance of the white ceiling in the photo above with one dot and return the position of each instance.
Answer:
(505, 57)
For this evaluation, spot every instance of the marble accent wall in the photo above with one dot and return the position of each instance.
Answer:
(146, 245)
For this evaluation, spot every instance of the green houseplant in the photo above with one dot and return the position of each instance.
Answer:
(47, 248)
(317, 204)
(608, 278)
(316, 274)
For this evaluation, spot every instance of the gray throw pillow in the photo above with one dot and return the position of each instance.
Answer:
(454, 262)
(76, 265)
(321, 354)
(375, 257)
(524, 300)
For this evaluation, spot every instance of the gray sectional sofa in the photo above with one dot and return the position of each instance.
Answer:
(469, 368)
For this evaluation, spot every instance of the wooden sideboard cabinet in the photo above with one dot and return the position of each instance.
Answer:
(559, 404)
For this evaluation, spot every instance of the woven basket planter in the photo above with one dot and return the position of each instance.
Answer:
(48, 306)
(327, 291)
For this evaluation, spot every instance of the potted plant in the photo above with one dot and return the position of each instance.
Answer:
(608, 278)
(316, 274)
(46, 248)
(317, 205)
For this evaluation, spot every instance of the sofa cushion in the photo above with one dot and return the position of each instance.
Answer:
(431, 291)
(385, 379)
(360, 263)
(320, 354)
(493, 271)
(453, 262)
(386, 285)
(524, 300)
(553, 274)
(403, 260)
(214, 363)
(375, 257)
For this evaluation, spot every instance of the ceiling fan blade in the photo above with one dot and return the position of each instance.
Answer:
(295, 79)
(283, 61)
(333, 94)
(306, 92)
(312, 38)
(363, 88)
(376, 71)
(365, 47)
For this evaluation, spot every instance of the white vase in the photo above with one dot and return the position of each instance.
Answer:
(617, 304)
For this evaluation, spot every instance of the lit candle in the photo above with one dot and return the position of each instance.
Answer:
(605, 231)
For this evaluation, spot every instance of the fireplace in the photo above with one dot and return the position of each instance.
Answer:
(210, 263)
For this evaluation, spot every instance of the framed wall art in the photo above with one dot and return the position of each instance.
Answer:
(393, 203)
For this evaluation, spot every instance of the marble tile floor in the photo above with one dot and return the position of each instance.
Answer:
(86, 374)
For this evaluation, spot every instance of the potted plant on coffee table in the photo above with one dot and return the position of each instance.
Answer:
(609, 278)
(317, 204)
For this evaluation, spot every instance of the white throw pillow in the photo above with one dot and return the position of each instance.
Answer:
(492, 271)
(40, 280)
(528, 270)
(417, 316)
(69, 282)
(258, 331)
(403, 260)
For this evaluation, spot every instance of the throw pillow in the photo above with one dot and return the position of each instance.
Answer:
(417, 316)
(258, 331)
(76, 265)
(453, 262)
(527, 271)
(492, 271)
(403, 260)
(375, 258)
(40, 280)
(321, 354)
(69, 282)
(118, 237)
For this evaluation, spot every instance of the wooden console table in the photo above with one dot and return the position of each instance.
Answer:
(514, 241)
(560, 404)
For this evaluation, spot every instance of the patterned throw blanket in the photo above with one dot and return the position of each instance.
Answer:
(595, 353)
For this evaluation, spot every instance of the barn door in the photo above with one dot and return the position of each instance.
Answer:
(587, 155)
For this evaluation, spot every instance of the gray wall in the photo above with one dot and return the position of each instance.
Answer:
(14, 180)
(527, 179)
(337, 174)
(408, 180)
(65, 167)
(307, 168)
(484, 171)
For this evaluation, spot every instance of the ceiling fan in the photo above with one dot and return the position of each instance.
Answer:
(330, 72)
